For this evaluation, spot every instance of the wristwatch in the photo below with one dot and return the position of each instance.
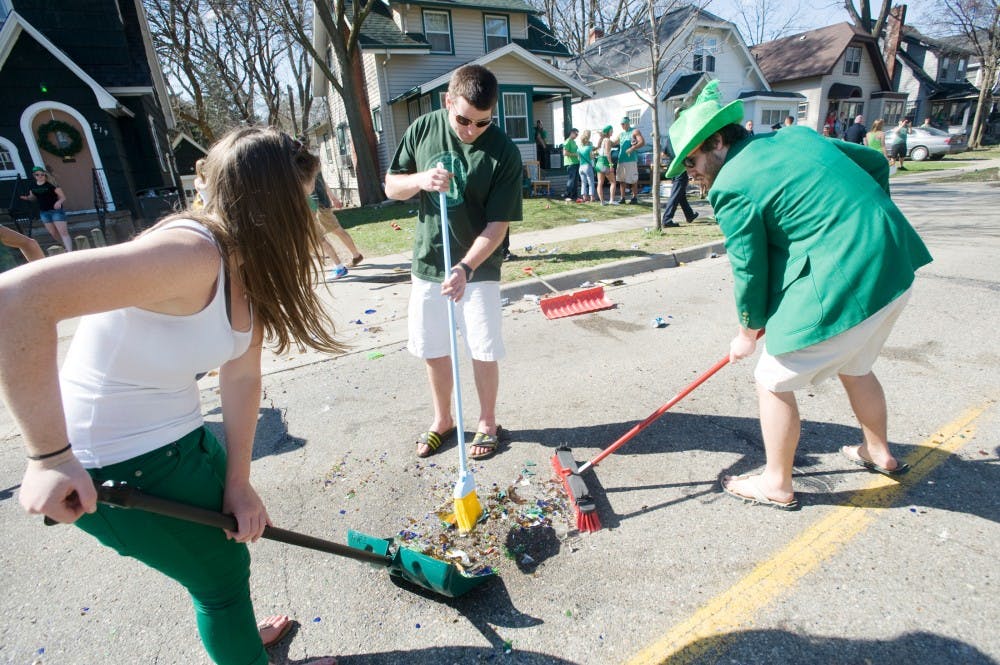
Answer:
(469, 272)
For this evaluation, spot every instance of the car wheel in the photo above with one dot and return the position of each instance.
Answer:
(919, 154)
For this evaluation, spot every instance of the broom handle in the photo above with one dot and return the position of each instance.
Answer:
(625, 438)
(531, 272)
(463, 466)
(124, 496)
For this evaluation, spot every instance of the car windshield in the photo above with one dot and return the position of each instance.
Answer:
(933, 131)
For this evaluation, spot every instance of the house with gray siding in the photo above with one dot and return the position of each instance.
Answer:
(410, 49)
(838, 69)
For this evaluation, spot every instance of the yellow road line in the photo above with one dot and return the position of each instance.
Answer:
(709, 627)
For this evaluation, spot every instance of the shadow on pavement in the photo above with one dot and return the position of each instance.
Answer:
(271, 438)
(778, 647)
(965, 486)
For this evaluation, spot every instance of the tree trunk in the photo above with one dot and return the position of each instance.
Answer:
(982, 107)
(359, 119)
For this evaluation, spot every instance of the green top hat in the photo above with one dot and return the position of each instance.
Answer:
(705, 117)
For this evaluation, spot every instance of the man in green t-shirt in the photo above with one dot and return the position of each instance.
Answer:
(627, 173)
(482, 178)
(571, 155)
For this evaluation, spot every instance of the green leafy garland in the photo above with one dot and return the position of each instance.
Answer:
(75, 140)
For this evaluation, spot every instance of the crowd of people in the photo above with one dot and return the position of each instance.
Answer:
(207, 284)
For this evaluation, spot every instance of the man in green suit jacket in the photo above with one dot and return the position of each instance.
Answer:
(821, 257)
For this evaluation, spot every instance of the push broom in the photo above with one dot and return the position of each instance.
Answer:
(572, 476)
(467, 507)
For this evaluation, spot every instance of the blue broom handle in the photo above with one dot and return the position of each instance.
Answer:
(462, 462)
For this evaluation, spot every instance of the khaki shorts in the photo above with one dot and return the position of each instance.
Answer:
(852, 352)
(328, 222)
(628, 173)
(478, 317)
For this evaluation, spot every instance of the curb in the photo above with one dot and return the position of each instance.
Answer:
(572, 279)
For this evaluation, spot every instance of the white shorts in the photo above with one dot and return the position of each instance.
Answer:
(628, 173)
(477, 315)
(852, 352)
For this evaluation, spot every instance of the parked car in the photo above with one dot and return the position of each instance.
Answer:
(929, 143)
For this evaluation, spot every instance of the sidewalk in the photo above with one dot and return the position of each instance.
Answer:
(368, 306)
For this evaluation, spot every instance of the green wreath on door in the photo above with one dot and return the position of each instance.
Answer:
(74, 146)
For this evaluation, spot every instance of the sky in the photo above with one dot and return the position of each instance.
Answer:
(812, 13)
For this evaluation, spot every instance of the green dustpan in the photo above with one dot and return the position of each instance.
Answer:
(438, 576)
(425, 571)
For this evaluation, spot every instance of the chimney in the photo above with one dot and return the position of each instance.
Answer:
(594, 35)
(893, 35)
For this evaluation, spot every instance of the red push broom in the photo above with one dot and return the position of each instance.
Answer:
(571, 475)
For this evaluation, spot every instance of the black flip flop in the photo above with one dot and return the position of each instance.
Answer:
(433, 440)
(856, 458)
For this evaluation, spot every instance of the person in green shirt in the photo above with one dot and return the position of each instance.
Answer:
(587, 186)
(627, 173)
(572, 157)
(821, 258)
(481, 176)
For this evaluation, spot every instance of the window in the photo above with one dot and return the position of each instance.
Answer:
(961, 65)
(771, 117)
(802, 112)
(704, 50)
(342, 139)
(4, 9)
(633, 117)
(412, 109)
(497, 31)
(515, 112)
(437, 30)
(425, 104)
(892, 113)
(852, 60)
(6, 161)
(327, 149)
(377, 119)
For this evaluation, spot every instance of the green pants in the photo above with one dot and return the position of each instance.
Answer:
(214, 570)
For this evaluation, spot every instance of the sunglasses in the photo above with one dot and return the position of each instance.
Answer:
(465, 122)
(39, 175)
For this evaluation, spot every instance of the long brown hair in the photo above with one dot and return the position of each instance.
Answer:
(259, 214)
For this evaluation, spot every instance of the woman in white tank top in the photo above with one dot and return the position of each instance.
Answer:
(197, 291)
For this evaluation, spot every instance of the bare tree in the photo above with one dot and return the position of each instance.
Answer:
(223, 61)
(342, 23)
(862, 15)
(977, 22)
(642, 61)
(571, 21)
(762, 21)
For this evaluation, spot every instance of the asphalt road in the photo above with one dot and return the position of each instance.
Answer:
(869, 571)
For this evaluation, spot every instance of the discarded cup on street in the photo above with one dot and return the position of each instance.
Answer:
(531, 297)
(658, 322)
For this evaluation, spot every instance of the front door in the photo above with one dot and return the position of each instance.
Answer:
(72, 172)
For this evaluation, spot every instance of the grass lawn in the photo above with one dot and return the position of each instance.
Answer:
(982, 175)
(371, 227)
(967, 158)
(595, 250)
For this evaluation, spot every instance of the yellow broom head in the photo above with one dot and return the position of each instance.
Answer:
(467, 511)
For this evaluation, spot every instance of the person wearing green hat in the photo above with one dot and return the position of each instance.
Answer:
(603, 166)
(51, 200)
(821, 257)
(627, 173)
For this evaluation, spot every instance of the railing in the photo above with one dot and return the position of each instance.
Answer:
(18, 211)
(100, 203)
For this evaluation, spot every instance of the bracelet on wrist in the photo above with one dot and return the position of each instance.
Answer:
(37, 458)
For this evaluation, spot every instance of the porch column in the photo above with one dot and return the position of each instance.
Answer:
(567, 104)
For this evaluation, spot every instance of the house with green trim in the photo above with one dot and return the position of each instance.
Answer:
(410, 50)
(84, 97)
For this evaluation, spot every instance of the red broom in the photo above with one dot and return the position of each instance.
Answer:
(566, 468)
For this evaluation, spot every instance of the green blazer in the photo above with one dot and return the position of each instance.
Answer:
(815, 243)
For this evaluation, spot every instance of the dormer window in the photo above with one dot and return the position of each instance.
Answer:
(497, 29)
(852, 60)
(437, 31)
(704, 54)
(945, 63)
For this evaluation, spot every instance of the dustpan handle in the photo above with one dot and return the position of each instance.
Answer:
(124, 496)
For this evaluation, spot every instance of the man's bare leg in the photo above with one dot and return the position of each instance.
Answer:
(781, 427)
(439, 378)
(868, 402)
